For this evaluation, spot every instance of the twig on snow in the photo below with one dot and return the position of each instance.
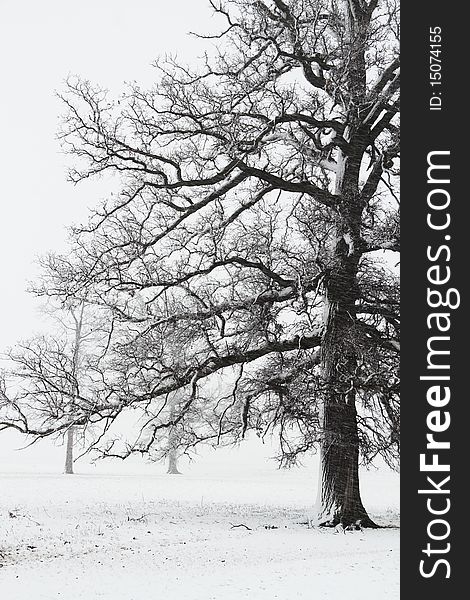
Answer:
(241, 525)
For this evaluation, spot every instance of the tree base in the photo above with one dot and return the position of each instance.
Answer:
(351, 523)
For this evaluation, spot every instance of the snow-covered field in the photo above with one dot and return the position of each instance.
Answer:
(131, 532)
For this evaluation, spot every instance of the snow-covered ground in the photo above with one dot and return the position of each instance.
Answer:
(131, 532)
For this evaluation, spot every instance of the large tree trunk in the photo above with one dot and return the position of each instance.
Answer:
(339, 498)
(69, 451)
(339, 494)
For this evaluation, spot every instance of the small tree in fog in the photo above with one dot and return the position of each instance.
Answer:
(77, 316)
(49, 375)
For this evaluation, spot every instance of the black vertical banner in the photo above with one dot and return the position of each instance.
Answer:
(435, 231)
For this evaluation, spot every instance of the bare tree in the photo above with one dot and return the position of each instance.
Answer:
(49, 373)
(77, 316)
(250, 243)
(172, 455)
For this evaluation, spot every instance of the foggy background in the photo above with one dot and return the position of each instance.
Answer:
(109, 42)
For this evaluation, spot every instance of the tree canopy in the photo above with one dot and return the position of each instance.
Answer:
(249, 258)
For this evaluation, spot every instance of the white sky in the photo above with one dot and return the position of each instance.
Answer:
(106, 41)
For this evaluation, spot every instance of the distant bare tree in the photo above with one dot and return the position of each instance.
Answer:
(49, 373)
(246, 257)
(77, 316)
(173, 445)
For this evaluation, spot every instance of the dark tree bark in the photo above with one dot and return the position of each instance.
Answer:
(340, 497)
